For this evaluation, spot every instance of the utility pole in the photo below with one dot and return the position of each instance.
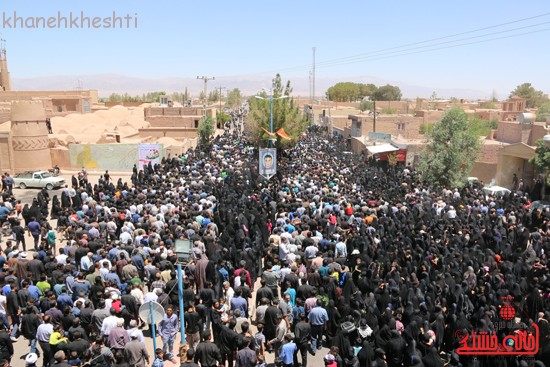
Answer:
(205, 79)
(313, 79)
(220, 96)
(374, 116)
(220, 113)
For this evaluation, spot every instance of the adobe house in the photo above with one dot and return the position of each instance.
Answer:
(176, 122)
(55, 102)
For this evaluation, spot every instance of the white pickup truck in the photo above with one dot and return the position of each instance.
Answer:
(37, 179)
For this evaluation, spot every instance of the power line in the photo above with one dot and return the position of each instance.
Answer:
(439, 48)
(436, 44)
(362, 57)
(443, 37)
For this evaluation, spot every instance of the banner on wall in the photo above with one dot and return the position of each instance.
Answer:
(148, 153)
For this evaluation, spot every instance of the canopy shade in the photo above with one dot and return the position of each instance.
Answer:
(382, 148)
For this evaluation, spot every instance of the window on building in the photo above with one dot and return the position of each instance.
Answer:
(400, 126)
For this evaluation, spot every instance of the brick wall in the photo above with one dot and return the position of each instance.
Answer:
(174, 133)
(509, 132)
(489, 153)
(172, 111)
(173, 121)
(484, 171)
(405, 125)
(125, 104)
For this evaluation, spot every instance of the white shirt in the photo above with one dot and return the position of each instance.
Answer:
(2, 304)
(109, 324)
(61, 259)
(150, 297)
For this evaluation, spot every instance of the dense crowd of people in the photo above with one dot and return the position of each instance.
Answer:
(335, 251)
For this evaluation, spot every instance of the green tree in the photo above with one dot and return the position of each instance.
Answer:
(153, 96)
(286, 115)
(234, 98)
(541, 160)
(365, 105)
(542, 111)
(451, 151)
(433, 101)
(534, 97)
(214, 96)
(367, 90)
(349, 92)
(387, 93)
(206, 130)
(222, 118)
(115, 97)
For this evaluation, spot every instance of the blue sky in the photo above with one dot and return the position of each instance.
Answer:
(252, 38)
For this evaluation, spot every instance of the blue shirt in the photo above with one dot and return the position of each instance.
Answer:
(6, 289)
(287, 353)
(35, 292)
(112, 277)
(224, 273)
(64, 300)
(34, 228)
(169, 325)
(318, 316)
(239, 303)
(158, 362)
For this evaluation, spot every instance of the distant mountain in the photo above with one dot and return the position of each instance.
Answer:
(114, 83)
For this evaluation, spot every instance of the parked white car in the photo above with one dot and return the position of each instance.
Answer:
(37, 179)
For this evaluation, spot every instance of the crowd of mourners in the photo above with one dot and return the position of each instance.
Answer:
(336, 254)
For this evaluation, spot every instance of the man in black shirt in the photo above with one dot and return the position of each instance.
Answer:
(29, 327)
(192, 326)
(208, 296)
(14, 311)
(189, 359)
(302, 332)
(207, 353)
(6, 345)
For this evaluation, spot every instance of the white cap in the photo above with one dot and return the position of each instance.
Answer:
(31, 358)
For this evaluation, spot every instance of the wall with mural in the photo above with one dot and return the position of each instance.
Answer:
(107, 156)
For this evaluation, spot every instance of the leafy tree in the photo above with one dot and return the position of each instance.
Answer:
(350, 92)
(367, 90)
(488, 104)
(365, 105)
(222, 118)
(201, 95)
(425, 129)
(206, 130)
(542, 111)
(541, 160)
(534, 97)
(234, 98)
(214, 96)
(451, 151)
(343, 92)
(387, 93)
(286, 114)
(480, 127)
(153, 96)
(433, 101)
